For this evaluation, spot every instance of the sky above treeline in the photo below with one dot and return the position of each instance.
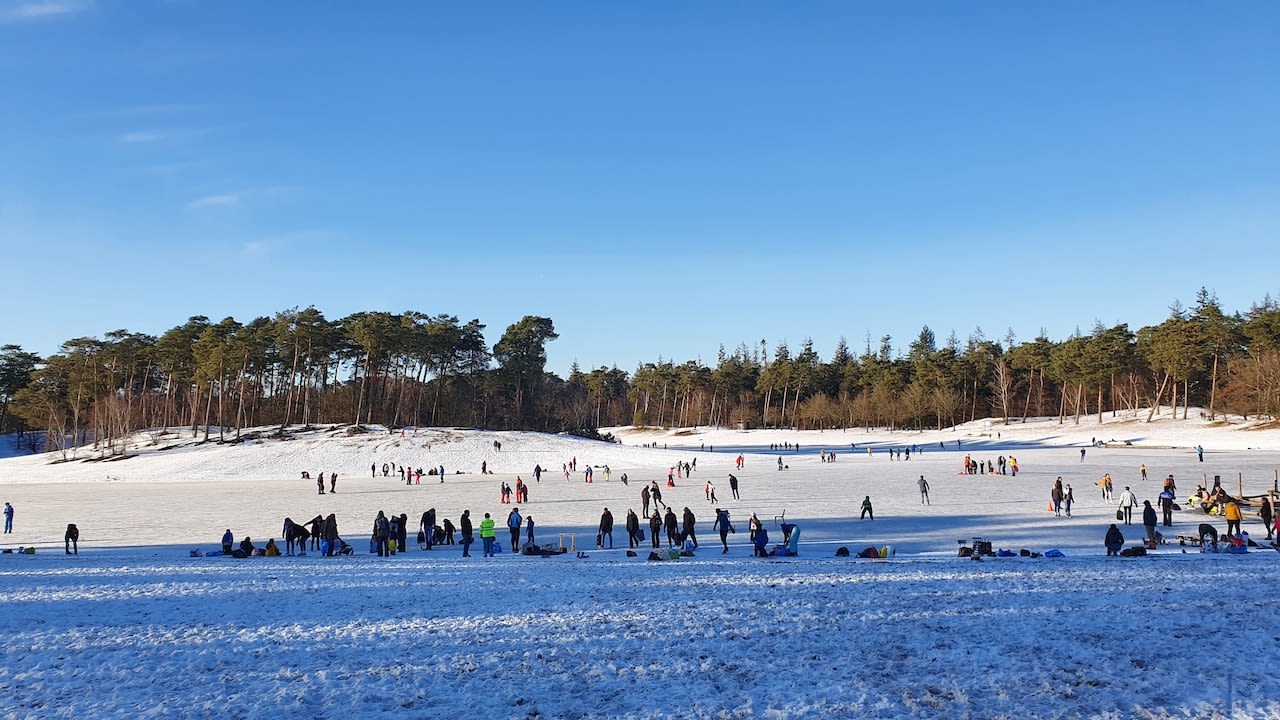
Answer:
(658, 179)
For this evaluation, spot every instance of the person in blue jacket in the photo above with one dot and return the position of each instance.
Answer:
(228, 540)
(762, 542)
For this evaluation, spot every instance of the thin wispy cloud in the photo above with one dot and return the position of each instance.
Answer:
(33, 10)
(142, 137)
(215, 201)
(270, 195)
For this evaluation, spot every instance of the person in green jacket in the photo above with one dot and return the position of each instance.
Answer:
(486, 534)
(866, 508)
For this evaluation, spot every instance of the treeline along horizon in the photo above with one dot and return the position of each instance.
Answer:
(298, 367)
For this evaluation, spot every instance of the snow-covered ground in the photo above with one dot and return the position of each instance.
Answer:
(135, 627)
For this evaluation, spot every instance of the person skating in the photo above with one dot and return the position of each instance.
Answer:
(644, 501)
(924, 491)
(866, 509)
(733, 485)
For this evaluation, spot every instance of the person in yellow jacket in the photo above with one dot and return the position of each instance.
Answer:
(486, 534)
(272, 549)
(1232, 514)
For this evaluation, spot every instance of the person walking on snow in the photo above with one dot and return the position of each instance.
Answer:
(924, 491)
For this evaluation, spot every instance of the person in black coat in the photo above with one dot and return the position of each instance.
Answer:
(606, 528)
(72, 539)
(467, 536)
(673, 528)
(1149, 521)
(633, 529)
(1114, 541)
(688, 530)
(655, 529)
(724, 526)
(428, 526)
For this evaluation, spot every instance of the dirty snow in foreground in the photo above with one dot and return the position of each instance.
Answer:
(135, 627)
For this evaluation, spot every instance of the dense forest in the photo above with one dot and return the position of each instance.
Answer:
(298, 367)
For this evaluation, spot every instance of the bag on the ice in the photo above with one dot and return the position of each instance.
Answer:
(1120, 514)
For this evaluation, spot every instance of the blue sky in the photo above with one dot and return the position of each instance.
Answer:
(658, 178)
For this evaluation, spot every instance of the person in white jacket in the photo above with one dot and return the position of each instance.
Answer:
(1127, 501)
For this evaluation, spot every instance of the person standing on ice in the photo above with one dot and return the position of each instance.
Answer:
(1055, 496)
(1149, 522)
(1143, 469)
(655, 529)
(320, 484)
(606, 528)
(8, 518)
(1067, 499)
(644, 501)
(514, 523)
(1127, 501)
(1200, 453)
(672, 526)
(228, 540)
(866, 509)
(333, 482)
(633, 529)
(467, 533)
(382, 534)
(428, 526)
(528, 524)
(1081, 454)
(733, 485)
(689, 528)
(486, 534)
(724, 527)
(924, 491)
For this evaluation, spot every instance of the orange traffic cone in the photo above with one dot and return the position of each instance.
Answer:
(1050, 508)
